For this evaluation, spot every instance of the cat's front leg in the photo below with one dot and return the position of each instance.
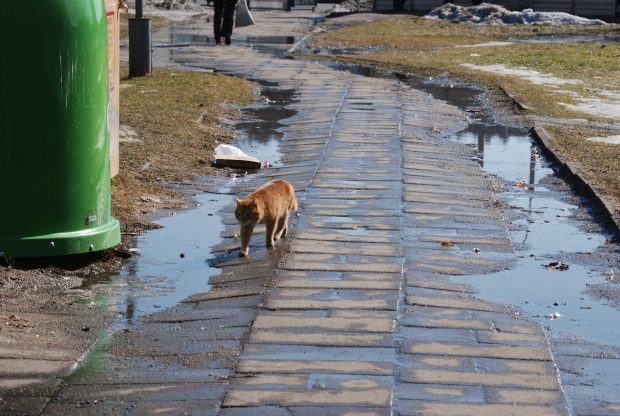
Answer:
(245, 235)
(269, 233)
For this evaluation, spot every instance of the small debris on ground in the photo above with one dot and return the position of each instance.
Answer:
(233, 157)
(554, 315)
(521, 184)
(189, 5)
(447, 243)
(267, 164)
(610, 275)
(556, 265)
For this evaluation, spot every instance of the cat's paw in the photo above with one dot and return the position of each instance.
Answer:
(243, 253)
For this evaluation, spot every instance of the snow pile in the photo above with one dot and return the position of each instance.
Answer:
(353, 6)
(494, 14)
(185, 5)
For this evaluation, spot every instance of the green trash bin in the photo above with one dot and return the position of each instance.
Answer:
(54, 139)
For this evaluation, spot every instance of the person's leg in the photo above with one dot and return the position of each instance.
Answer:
(218, 14)
(229, 19)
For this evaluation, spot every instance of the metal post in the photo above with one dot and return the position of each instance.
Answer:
(140, 61)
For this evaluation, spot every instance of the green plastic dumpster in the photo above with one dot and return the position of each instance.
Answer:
(54, 139)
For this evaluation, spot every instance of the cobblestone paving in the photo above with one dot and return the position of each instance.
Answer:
(362, 319)
(355, 313)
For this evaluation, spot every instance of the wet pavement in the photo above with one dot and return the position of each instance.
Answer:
(392, 293)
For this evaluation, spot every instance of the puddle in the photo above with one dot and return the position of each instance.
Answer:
(547, 230)
(568, 39)
(259, 136)
(173, 260)
(188, 39)
(278, 40)
(599, 369)
(537, 290)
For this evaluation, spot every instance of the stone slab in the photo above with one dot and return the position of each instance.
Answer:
(25, 367)
(470, 378)
(370, 397)
(160, 408)
(36, 354)
(304, 235)
(523, 396)
(316, 366)
(324, 323)
(488, 351)
(306, 411)
(439, 285)
(379, 304)
(321, 338)
(225, 294)
(387, 284)
(446, 212)
(144, 392)
(342, 248)
(432, 408)
(469, 304)
(440, 393)
(343, 267)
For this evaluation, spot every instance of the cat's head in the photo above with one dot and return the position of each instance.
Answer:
(247, 211)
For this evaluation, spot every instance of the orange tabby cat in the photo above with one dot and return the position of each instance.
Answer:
(269, 205)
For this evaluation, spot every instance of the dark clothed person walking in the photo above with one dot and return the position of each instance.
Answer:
(223, 19)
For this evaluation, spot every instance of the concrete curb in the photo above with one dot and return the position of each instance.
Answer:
(604, 204)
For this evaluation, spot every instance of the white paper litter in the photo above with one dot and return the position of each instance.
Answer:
(228, 150)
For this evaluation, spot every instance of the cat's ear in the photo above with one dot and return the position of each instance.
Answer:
(238, 201)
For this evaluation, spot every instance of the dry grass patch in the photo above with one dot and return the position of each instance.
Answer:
(424, 46)
(157, 23)
(177, 117)
(419, 33)
(599, 162)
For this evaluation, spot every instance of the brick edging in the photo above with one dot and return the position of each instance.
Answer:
(603, 203)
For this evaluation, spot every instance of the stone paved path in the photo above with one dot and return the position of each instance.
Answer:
(356, 313)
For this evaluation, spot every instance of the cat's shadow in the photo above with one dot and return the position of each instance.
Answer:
(258, 254)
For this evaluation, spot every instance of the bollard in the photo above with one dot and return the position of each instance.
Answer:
(140, 61)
